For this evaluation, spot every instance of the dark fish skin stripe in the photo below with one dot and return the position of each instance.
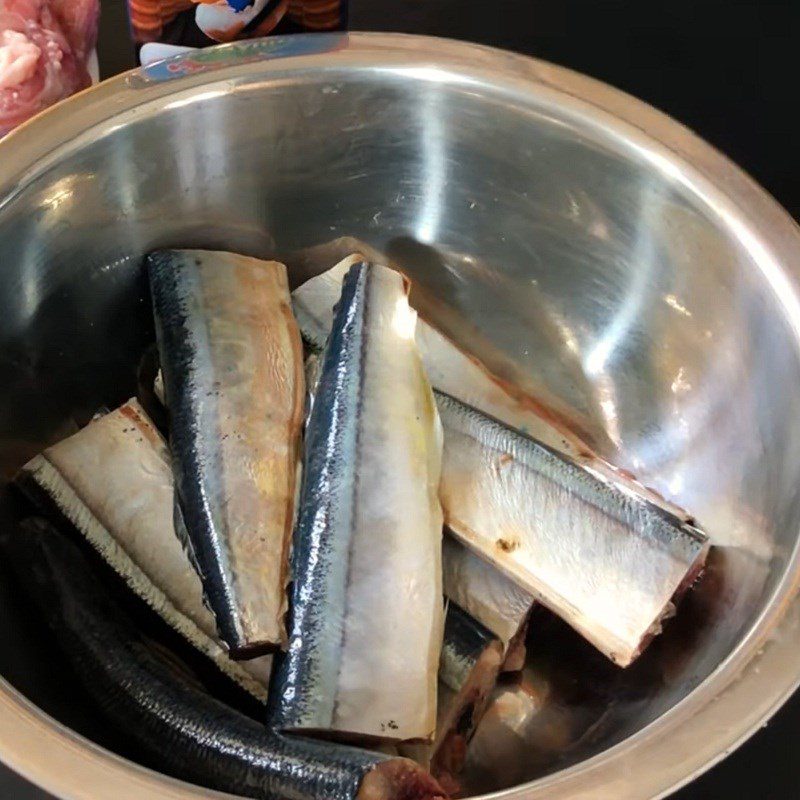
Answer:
(468, 670)
(692, 536)
(614, 501)
(191, 446)
(142, 615)
(320, 576)
(189, 733)
(464, 637)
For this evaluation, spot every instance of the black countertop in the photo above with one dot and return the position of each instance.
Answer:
(726, 69)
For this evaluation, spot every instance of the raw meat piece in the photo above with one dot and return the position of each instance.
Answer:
(28, 29)
(79, 19)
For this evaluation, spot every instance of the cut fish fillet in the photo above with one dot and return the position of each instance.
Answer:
(489, 596)
(113, 484)
(232, 366)
(451, 370)
(596, 548)
(606, 561)
(367, 609)
(468, 670)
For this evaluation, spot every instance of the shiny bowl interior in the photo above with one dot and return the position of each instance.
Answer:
(597, 251)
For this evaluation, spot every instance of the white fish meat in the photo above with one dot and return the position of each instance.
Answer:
(478, 587)
(489, 596)
(610, 565)
(367, 611)
(603, 559)
(453, 371)
(183, 730)
(232, 365)
(112, 482)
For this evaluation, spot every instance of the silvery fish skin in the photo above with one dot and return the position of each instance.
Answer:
(232, 365)
(112, 483)
(367, 608)
(313, 363)
(603, 559)
(456, 373)
(185, 731)
(468, 669)
(488, 595)
(436, 273)
(313, 369)
(495, 517)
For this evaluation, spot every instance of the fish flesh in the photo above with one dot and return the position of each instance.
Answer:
(232, 364)
(489, 596)
(603, 559)
(567, 700)
(313, 367)
(367, 610)
(450, 369)
(494, 602)
(468, 669)
(465, 643)
(614, 574)
(493, 599)
(112, 483)
(38, 66)
(469, 666)
(184, 730)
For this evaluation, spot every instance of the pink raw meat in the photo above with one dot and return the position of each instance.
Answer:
(79, 19)
(18, 58)
(29, 28)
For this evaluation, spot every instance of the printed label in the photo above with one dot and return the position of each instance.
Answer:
(210, 59)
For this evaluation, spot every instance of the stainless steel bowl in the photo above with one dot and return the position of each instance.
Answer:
(598, 249)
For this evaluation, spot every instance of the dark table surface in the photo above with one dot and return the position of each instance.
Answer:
(726, 69)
